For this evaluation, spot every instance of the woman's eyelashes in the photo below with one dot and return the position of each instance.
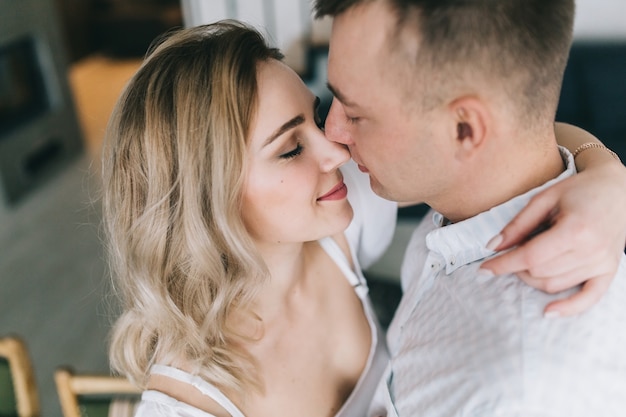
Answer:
(292, 153)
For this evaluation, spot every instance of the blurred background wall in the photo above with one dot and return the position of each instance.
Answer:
(600, 19)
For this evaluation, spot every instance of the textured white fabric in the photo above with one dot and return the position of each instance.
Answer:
(465, 344)
(123, 407)
(374, 221)
(366, 246)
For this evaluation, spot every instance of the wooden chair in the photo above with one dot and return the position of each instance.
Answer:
(95, 395)
(18, 388)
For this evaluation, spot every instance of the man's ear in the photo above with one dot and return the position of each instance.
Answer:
(471, 120)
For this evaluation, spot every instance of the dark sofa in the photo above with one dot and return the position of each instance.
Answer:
(594, 92)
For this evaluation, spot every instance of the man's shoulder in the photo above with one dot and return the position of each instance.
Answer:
(502, 353)
(473, 339)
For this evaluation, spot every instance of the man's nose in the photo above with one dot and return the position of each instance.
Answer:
(336, 127)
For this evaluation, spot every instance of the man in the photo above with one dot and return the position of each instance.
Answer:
(458, 113)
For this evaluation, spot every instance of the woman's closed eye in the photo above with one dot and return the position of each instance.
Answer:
(292, 153)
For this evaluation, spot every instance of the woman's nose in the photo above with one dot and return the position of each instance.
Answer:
(332, 155)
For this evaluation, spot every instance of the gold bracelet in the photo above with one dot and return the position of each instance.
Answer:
(594, 145)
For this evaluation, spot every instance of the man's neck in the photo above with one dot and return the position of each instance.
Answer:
(499, 177)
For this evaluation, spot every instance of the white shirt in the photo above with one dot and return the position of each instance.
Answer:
(463, 344)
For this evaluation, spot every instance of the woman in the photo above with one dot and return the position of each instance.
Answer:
(236, 252)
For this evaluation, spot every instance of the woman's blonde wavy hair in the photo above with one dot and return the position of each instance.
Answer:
(173, 171)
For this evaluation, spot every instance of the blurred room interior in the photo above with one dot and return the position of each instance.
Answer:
(63, 64)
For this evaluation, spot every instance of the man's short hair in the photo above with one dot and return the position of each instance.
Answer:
(522, 43)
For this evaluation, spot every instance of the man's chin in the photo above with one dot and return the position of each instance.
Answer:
(379, 189)
(384, 192)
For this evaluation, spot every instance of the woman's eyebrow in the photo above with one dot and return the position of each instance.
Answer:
(290, 124)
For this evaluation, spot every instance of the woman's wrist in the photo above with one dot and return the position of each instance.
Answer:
(594, 146)
(593, 155)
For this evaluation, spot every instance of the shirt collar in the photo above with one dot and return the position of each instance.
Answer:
(464, 242)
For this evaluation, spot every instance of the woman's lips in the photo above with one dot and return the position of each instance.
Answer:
(338, 192)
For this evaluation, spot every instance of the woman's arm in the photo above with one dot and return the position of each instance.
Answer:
(587, 234)
(573, 138)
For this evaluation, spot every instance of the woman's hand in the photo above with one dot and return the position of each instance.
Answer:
(585, 239)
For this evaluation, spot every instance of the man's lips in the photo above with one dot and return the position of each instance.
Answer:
(363, 169)
(338, 192)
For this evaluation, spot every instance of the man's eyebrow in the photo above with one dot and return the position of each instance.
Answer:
(339, 95)
(290, 124)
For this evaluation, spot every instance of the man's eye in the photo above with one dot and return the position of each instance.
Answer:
(292, 153)
(353, 120)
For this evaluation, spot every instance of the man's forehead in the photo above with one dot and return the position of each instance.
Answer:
(357, 36)
(373, 17)
(360, 50)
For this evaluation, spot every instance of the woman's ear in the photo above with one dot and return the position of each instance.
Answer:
(471, 120)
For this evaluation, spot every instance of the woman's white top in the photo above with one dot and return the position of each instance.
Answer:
(368, 235)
